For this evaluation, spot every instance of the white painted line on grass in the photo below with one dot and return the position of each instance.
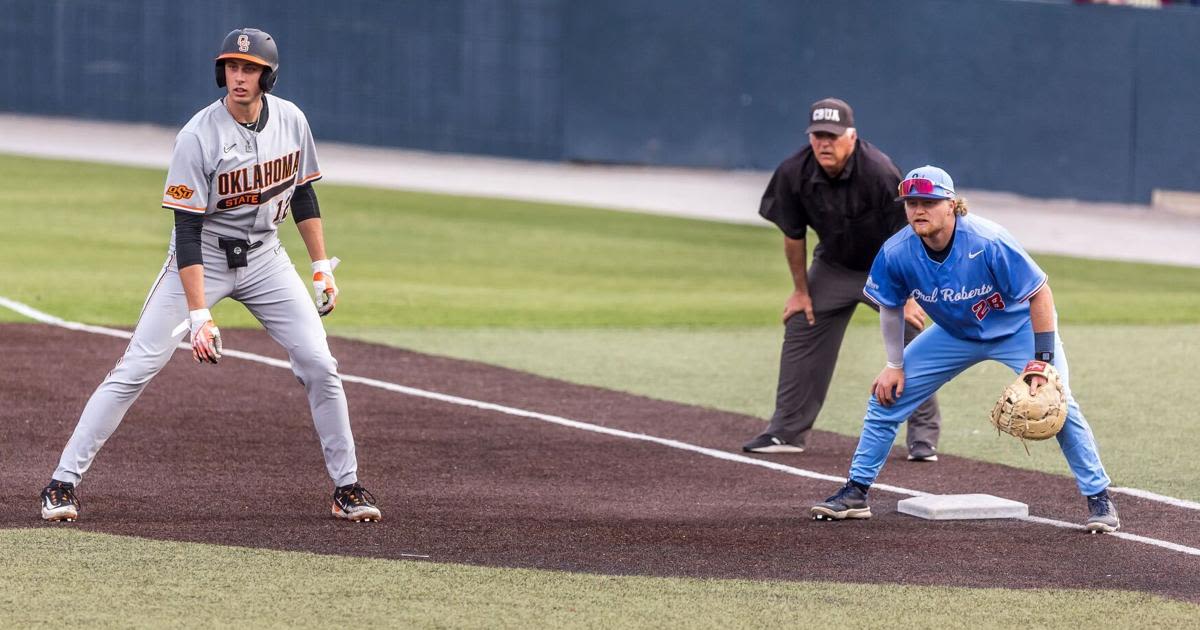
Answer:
(46, 318)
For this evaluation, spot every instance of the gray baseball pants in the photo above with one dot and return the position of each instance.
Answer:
(810, 354)
(274, 293)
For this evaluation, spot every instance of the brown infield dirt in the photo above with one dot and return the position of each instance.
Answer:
(227, 454)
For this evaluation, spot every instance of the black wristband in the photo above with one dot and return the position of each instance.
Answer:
(1048, 357)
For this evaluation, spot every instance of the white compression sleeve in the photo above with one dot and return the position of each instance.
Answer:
(891, 324)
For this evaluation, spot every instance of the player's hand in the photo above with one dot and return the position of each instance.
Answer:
(324, 287)
(914, 314)
(1035, 380)
(206, 338)
(888, 386)
(799, 303)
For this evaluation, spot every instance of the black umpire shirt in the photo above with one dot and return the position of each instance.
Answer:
(852, 214)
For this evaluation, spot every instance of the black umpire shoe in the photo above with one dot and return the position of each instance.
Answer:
(1102, 514)
(767, 443)
(354, 503)
(922, 452)
(849, 502)
(59, 502)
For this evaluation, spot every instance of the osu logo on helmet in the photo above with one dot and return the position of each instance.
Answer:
(179, 192)
(243, 43)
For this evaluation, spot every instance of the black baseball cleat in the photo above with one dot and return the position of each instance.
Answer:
(59, 502)
(922, 452)
(767, 443)
(354, 503)
(849, 502)
(1102, 514)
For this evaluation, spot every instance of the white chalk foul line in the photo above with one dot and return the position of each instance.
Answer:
(46, 318)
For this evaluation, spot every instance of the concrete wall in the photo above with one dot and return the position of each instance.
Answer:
(1091, 102)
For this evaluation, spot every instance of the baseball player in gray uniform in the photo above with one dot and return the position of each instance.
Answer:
(239, 167)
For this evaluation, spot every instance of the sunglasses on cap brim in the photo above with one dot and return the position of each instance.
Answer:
(921, 186)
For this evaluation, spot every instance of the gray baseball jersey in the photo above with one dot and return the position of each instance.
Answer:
(242, 182)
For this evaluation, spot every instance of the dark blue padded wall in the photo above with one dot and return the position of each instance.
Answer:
(478, 76)
(1006, 96)
(1046, 99)
(1167, 151)
(655, 82)
(1010, 96)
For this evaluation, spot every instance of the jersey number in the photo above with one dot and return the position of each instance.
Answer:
(281, 211)
(986, 305)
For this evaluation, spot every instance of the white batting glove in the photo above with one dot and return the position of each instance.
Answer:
(206, 338)
(324, 287)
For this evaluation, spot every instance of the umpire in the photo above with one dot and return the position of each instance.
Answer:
(845, 190)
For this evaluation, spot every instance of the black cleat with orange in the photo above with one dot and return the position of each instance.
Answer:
(355, 503)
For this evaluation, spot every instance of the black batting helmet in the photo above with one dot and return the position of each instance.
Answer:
(255, 46)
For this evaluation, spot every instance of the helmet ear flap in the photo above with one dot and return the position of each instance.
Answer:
(267, 80)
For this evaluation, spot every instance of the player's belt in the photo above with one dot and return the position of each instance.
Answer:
(236, 250)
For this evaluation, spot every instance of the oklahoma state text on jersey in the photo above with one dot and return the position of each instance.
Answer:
(241, 180)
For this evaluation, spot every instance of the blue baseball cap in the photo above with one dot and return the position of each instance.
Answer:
(927, 182)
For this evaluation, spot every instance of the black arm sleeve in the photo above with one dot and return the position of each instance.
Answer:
(187, 239)
(304, 203)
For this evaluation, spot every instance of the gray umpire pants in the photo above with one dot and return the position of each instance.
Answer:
(810, 354)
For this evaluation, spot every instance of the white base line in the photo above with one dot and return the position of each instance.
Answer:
(46, 318)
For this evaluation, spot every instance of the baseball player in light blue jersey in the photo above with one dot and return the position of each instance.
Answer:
(988, 300)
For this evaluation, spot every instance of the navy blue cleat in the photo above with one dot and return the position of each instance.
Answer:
(849, 502)
(1102, 514)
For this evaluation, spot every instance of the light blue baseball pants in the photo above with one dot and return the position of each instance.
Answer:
(933, 359)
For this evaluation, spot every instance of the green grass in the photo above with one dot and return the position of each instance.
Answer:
(92, 239)
(671, 308)
(90, 250)
(117, 581)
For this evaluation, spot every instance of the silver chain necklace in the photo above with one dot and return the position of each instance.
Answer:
(242, 130)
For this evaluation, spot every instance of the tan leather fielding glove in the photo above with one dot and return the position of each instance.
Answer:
(1028, 416)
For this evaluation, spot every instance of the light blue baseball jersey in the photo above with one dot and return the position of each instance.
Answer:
(980, 292)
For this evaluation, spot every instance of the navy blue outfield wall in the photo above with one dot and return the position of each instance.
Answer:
(476, 76)
(1090, 102)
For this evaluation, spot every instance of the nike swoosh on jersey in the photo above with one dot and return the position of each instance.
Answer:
(974, 254)
(228, 148)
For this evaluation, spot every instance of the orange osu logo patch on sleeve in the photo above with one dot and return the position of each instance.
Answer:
(180, 192)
